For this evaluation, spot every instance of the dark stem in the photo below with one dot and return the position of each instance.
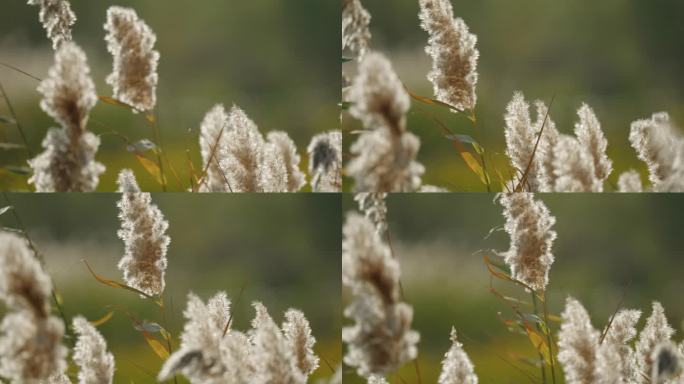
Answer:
(549, 340)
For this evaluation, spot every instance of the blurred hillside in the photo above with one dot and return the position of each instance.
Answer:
(217, 244)
(278, 60)
(622, 57)
(611, 250)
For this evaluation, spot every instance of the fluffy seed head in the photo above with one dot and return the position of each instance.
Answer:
(574, 167)
(377, 95)
(578, 344)
(589, 134)
(667, 363)
(57, 19)
(200, 355)
(297, 332)
(286, 151)
(545, 150)
(273, 359)
(96, 364)
(242, 153)
(213, 133)
(384, 162)
(325, 162)
(656, 331)
(374, 208)
(658, 144)
(30, 347)
(143, 231)
(23, 283)
(521, 139)
(630, 182)
(68, 91)
(355, 33)
(381, 339)
(454, 54)
(456, 366)
(528, 223)
(131, 42)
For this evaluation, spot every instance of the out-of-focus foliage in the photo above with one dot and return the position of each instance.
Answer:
(611, 250)
(278, 60)
(216, 244)
(623, 58)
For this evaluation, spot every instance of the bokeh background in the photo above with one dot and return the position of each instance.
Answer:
(623, 58)
(283, 250)
(278, 60)
(610, 249)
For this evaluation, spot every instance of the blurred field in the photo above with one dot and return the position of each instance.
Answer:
(623, 58)
(609, 248)
(282, 250)
(278, 60)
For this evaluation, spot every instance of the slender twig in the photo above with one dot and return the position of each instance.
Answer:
(549, 339)
(16, 120)
(525, 175)
(541, 355)
(158, 150)
(168, 335)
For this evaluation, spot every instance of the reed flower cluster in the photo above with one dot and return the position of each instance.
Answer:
(355, 33)
(143, 231)
(545, 160)
(620, 357)
(30, 337)
(131, 42)
(68, 162)
(213, 352)
(454, 54)
(57, 19)
(238, 158)
(384, 155)
(325, 161)
(381, 339)
(528, 223)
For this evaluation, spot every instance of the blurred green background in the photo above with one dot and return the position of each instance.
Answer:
(622, 57)
(610, 249)
(278, 60)
(283, 250)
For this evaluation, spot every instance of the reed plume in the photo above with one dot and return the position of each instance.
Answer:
(454, 54)
(297, 333)
(521, 138)
(545, 150)
(90, 354)
(578, 344)
(355, 33)
(213, 133)
(574, 168)
(143, 231)
(381, 339)
(656, 331)
(630, 182)
(374, 208)
(30, 338)
(131, 42)
(616, 360)
(384, 155)
(528, 223)
(325, 162)
(68, 162)
(667, 363)
(590, 136)
(377, 380)
(285, 151)
(658, 144)
(456, 366)
(57, 19)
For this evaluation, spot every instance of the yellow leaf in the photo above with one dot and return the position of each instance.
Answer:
(156, 346)
(114, 284)
(151, 167)
(539, 343)
(104, 319)
(113, 101)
